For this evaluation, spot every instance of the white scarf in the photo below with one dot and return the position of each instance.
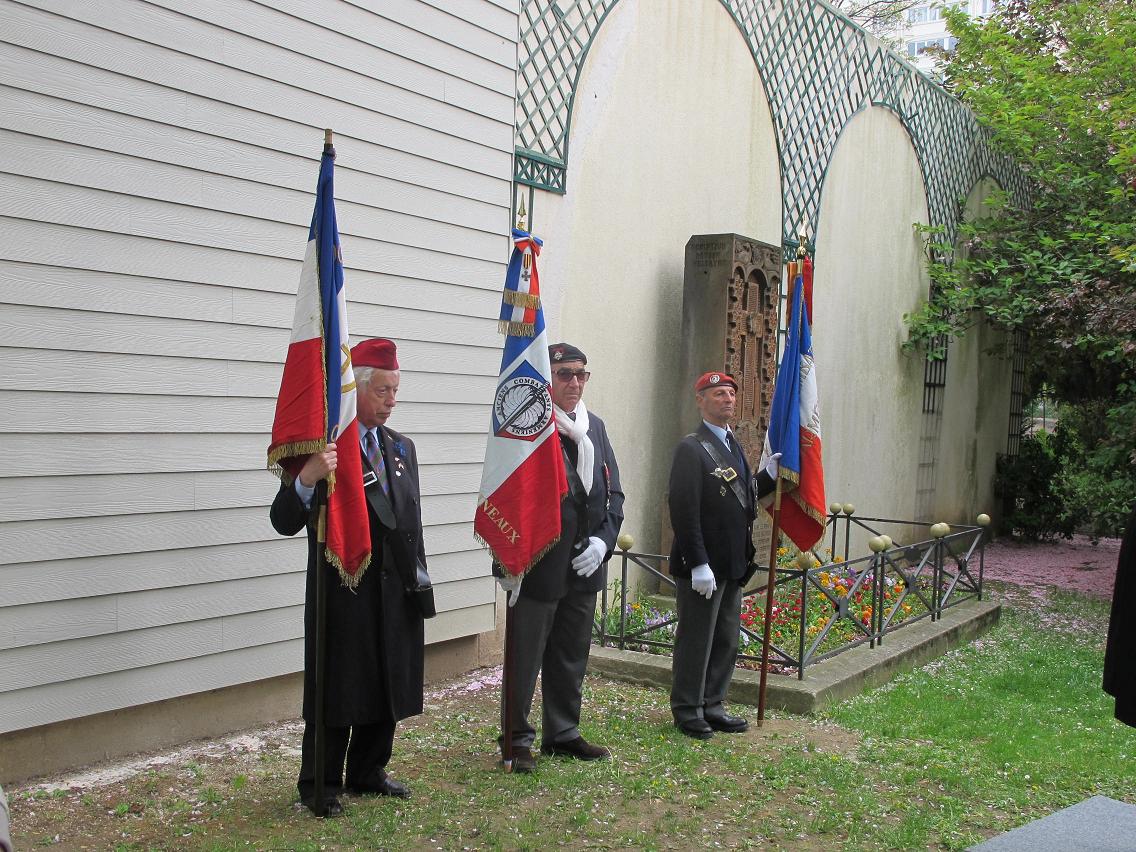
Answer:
(577, 430)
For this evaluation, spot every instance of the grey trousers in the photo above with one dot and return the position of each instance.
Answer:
(553, 639)
(706, 648)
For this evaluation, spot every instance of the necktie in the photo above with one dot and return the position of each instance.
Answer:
(732, 446)
(375, 456)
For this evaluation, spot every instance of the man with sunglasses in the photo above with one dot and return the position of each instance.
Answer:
(556, 603)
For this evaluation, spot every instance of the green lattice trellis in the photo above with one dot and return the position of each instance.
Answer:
(819, 69)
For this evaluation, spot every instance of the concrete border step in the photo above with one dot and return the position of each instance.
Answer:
(842, 676)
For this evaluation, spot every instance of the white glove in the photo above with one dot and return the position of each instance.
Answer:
(772, 467)
(511, 585)
(586, 564)
(702, 581)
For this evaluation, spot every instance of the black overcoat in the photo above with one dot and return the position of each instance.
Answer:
(711, 526)
(552, 576)
(1120, 650)
(374, 633)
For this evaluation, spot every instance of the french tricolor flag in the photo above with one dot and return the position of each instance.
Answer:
(794, 421)
(523, 481)
(317, 391)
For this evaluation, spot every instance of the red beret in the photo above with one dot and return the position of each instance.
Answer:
(709, 380)
(378, 352)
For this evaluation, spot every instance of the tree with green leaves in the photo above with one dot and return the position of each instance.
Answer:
(1053, 82)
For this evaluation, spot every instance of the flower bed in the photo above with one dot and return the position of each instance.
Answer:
(830, 588)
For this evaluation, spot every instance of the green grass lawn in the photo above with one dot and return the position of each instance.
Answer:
(995, 734)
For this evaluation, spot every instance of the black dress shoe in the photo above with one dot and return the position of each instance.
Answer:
(578, 748)
(386, 787)
(695, 728)
(523, 760)
(728, 724)
(332, 807)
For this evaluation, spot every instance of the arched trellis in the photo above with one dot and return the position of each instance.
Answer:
(819, 69)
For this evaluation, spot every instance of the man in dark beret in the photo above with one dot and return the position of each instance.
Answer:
(712, 500)
(374, 648)
(556, 602)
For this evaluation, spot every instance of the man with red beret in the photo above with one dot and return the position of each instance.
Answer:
(713, 501)
(374, 649)
(556, 602)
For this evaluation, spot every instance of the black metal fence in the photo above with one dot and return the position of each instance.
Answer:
(823, 606)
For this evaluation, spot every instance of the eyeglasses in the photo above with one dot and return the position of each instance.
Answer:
(567, 375)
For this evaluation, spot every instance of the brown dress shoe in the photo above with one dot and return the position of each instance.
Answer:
(523, 760)
(578, 748)
(331, 807)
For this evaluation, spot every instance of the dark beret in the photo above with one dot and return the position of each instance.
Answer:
(558, 352)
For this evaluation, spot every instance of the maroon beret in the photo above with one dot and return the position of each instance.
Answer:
(378, 352)
(710, 380)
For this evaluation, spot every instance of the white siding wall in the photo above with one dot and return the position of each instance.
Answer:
(156, 185)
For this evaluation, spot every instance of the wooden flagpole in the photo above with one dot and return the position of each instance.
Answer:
(319, 805)
(319, 746)
(507, 701)
(776, 535)
(771, 582)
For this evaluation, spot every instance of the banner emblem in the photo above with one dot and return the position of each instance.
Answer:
(522, 408)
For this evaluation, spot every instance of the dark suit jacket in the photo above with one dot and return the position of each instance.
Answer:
(711, 526)
(375, 633)
(553, 576)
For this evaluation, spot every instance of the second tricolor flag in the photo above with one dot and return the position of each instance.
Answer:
(523, 481)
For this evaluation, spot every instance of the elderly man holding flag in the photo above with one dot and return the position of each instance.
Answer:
(550, 510)
(363, 633)
(713, 502)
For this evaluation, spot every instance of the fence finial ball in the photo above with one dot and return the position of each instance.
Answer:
(625, 541)
(940, 529)
(877, 543)
(887, 541)
(983, 520)
(836, 508)
(848, 508)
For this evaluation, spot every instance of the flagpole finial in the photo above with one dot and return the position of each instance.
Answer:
(802, 245)
(327, 135)
(521, 216)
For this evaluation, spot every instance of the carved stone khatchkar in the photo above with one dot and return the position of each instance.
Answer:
(730, 304)
(731, 296)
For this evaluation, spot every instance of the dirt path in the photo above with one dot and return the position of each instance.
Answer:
(1077, 565)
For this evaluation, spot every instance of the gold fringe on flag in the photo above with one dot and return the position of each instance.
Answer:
(539, 556)
(348, 581)
(297, 448)
(516, 329)
(521, 300)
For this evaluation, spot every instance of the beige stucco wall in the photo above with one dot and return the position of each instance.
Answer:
(869, 273)
(671, 136)
(976, 412)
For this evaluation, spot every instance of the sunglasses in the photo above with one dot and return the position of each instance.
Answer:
(567, 375)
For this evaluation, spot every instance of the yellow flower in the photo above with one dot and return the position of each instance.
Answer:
(781, 551)
(838, 558)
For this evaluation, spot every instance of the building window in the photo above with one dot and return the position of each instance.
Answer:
(918, 48)
(934, 11)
